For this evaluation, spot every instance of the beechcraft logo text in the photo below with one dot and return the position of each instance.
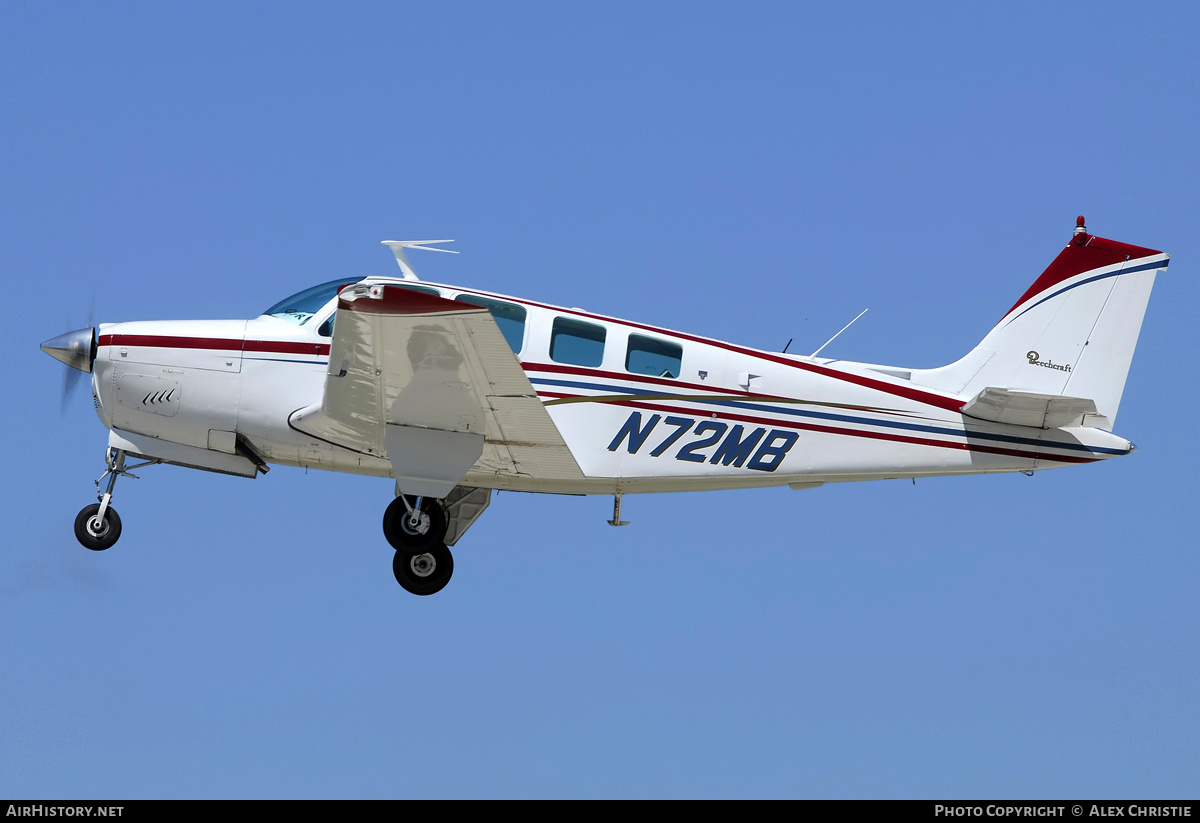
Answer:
(1035, 359)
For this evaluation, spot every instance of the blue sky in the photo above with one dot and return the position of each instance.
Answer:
(752, 172)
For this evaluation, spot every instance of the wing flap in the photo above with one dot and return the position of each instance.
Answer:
(532, 440)
(430, 462)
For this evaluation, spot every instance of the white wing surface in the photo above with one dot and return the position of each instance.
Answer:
(432, 385)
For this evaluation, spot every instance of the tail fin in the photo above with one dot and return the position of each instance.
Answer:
(1072, 334)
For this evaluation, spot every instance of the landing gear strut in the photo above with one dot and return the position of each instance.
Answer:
(98, 526)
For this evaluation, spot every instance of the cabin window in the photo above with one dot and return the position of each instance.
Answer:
(509, 317)
(658, 358)
(576, 342)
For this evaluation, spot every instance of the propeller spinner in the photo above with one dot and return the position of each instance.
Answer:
(75, 348)
(78, 350)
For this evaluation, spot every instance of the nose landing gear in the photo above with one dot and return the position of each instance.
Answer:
(98, 526)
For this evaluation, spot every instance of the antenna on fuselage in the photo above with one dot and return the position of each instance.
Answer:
(398, 247)
(830, 340)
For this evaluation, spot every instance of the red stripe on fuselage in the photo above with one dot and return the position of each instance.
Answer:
(286, 347)
(554, 368)
(937, 400)
(213, 343)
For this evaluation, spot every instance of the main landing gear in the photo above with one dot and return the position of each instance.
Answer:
(98, 526)
(416, 529)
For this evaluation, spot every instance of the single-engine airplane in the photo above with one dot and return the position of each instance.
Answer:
(454, 392)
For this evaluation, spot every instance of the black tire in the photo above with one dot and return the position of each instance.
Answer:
(423, 572)
(105, 536)
(401, 535)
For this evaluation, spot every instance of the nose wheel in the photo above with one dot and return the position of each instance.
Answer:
(95, 531)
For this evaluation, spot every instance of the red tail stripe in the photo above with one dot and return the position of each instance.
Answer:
(1083, 253)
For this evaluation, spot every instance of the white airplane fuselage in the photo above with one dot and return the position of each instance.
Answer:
(733, 417)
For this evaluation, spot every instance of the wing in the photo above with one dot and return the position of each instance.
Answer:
(432, 386)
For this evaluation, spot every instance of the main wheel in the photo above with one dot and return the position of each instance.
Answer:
(94, 533)
(424, 572)
(404, 535)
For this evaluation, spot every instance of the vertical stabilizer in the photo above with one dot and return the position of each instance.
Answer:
(1071, 334)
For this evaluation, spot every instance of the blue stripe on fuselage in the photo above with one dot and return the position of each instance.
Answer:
(841, 418)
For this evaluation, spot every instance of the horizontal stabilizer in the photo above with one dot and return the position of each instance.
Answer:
(1019, 408)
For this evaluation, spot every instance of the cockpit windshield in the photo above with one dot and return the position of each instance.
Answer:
(300, 307)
